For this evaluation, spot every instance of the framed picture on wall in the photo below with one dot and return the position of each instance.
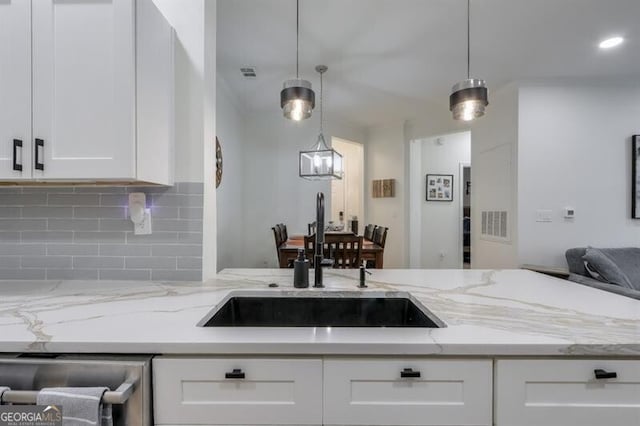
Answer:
(439, 187)
(635, 178)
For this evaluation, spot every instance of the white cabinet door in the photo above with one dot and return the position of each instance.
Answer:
(84, 89)
(567, 392)
(373, 392)
(237, 391)
(15, 89)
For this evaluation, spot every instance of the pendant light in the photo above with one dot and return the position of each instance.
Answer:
(321, 162)
(469, 97)
(297, 100)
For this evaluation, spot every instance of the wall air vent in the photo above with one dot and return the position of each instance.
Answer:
(248, 72)
(494, 225)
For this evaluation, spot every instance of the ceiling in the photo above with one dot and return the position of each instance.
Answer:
(395, 60)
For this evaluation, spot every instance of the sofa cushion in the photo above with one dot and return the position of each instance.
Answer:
(620, 266)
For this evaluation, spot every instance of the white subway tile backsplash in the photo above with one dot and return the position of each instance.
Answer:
(151, 262)
(72, 199)
(126, 250)
(124, 274)
(83, 233)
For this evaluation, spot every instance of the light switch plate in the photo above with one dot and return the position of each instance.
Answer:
(544, 216)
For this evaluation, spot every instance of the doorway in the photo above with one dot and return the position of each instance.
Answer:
(465, 213)
(347, 194)
(436, 226)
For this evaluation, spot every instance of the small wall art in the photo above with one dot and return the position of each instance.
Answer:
(383, 188)
(439, 187)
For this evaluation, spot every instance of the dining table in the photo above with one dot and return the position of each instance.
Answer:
(289, 251)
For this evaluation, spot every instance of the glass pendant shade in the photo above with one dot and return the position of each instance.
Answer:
(297, 99)
(468, 99)
(321, 163)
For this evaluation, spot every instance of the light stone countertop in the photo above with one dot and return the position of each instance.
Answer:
(492, 313)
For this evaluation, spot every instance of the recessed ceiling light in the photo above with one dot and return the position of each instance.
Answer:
(611, 42)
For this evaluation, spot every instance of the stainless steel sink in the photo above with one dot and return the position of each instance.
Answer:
(320, 309)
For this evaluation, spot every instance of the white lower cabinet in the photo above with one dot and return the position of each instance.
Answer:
(237, 391)
(567, 393)
(407, 392)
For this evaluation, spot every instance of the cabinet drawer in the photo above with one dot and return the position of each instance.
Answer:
(372, 392)
(273, 391)
(567, 392)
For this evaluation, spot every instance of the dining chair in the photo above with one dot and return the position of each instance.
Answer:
(310, 247)
(345, 249)
(368, 231)
(283, 232)
(380, 236)
(278, 240)
(311, 227)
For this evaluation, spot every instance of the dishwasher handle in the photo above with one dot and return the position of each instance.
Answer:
(119, 396)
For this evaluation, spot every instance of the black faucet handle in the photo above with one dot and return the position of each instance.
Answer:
(363, 272)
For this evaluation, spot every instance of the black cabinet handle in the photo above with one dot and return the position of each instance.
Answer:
(603, 374)
(409, 373)
(17, 143)
(38, 164)
(235, 374)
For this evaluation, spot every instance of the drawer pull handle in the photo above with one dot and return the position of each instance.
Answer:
(409, 373)
(39, 165)
(17, 143)
(235, 374)
(603, 374)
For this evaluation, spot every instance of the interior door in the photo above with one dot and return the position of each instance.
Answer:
(84, 89)
(15, 89)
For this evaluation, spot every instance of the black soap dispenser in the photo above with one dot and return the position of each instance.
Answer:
(301, 271)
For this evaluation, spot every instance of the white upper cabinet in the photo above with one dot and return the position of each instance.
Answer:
(101, 82)
(15, 89)
(84, 89)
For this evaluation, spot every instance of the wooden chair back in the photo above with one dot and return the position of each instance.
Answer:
(346, 250)
(284, 235)
(380, 236)
(278, 240)
(368, 231)
(310, 247)
(311, 228)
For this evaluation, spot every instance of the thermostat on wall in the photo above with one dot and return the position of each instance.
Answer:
(569, 213)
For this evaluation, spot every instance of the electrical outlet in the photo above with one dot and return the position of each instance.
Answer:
(144, 226)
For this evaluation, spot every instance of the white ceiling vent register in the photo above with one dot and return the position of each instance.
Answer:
(495, 225)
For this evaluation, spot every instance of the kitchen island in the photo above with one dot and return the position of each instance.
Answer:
(518, 349)
(502, 312)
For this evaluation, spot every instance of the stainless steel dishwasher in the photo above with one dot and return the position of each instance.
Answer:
(127, 377)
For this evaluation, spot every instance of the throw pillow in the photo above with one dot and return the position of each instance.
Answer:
(606, 268)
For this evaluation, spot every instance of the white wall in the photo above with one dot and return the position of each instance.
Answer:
(439, 239)
(575, 150)
(230, 202)
(494, 175)
(186, 17)
(385, 159)
(195, 102)
(273, 191)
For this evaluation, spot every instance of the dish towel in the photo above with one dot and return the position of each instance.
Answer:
(3, 389)
(80, 406)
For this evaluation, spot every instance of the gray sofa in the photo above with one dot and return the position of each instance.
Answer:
(617, 270)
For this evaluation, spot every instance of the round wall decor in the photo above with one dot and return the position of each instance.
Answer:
(218, 163)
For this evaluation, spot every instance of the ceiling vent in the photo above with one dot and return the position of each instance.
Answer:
(248, 72)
